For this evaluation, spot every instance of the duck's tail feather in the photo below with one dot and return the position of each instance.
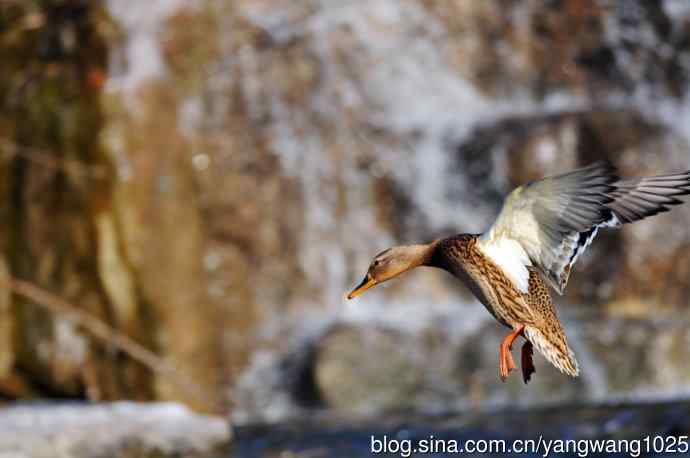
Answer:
(557, 353)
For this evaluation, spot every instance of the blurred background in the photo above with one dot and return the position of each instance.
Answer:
(208, 178)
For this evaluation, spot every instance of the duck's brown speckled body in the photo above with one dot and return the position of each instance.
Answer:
(533, 311)
(543, 228)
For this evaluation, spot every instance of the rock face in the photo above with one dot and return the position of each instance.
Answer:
(58, 224)
(582, 46)
(73, 215)
(369, 369)
(209, 177)
(119, 430)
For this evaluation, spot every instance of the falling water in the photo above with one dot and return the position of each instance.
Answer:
(414, 96)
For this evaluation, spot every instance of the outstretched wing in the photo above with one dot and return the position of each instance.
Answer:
(638, 198)
(555, 219)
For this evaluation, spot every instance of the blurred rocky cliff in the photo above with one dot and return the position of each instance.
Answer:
(209, 177)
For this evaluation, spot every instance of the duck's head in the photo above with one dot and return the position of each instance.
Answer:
(391, 263)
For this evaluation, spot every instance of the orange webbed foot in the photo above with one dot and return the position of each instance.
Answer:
(505, 363)
(526, 362)
(505, 357)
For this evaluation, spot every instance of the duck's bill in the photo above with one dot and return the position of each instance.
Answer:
(366, 284)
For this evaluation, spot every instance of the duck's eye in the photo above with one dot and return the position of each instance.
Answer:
(377, 263)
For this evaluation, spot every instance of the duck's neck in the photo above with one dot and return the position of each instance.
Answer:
(450, 253)
(425, 253)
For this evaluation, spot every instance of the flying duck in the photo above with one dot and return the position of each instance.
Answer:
(538, 236)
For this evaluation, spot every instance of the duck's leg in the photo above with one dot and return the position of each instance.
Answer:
(505, 357)
(527, 363)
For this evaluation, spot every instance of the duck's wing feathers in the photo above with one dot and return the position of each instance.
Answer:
(555, 219)
(639, 198)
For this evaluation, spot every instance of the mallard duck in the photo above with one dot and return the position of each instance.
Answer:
(538, 236)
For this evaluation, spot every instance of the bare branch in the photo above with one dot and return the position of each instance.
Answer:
(106, 334)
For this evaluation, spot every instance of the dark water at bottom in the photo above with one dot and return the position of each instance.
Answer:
(644, 429)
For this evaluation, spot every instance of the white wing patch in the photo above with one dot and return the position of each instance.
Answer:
(551, 222)
(511, 257)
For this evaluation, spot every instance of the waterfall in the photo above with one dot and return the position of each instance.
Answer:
(397, 141)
